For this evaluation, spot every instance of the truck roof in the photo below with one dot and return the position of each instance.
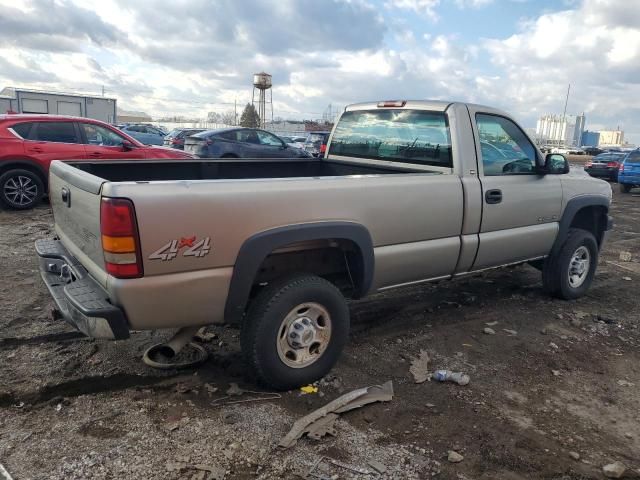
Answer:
(433, 105)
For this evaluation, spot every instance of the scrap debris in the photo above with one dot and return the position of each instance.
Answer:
(317, 472)
(309, 389)
(348, 401)
(235, 391)
(449, 376)
(420, 367)
(4, 474)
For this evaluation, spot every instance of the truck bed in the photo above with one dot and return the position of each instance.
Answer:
(220, 169)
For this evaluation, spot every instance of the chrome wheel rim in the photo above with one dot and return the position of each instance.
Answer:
(304, 335)
(20, 190)
(579, 267)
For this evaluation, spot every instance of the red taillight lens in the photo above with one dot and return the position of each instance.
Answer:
(120, 240)
(177, 141)
(588, 164)
(621, 168)
(323, 148)
(612, 164)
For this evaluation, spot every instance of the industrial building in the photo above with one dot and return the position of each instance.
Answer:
(590, 139)
(23, 100)
(560, 130)
(611, 137)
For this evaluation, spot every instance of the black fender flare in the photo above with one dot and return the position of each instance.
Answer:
(573, 207)
(257, 247)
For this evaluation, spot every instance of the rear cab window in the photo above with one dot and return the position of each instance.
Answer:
(395, 135)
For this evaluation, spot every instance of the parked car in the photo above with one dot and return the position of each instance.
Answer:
(28, 144)
(629, 172)
(240, 143)
(292, 141)
(146, 134)
(593, 151)
(316, 143)
(605, 165)
(402, 197)
(175, 138)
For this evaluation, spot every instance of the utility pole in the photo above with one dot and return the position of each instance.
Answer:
(103, 90)
(235, 112)
(564, 114)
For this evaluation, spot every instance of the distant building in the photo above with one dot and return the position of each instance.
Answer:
(559, 130)
(611, 137)
(590, 139)
(128, 116)
(23, 100)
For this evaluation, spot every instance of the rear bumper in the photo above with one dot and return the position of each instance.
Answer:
(602, 172)
(82, 301)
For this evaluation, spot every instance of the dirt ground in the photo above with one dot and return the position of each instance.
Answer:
(556, 377)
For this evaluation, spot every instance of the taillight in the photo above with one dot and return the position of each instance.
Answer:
(120, 240)
(177, 141)
(621, 168)
(588, 164)
(612, 164)
(323, 148)
(209, 141)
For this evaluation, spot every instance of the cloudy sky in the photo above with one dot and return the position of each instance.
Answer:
(188, 57)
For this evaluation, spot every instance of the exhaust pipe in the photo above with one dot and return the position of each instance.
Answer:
(157, 355)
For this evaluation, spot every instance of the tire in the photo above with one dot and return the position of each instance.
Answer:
(579, 246)
(269, 325)
(625, 188)
(20, 189)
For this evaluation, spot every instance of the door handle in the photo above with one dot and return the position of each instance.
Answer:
(65, 194)
(493, 196)
(95, 154)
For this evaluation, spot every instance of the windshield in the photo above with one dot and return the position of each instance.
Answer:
(408, 136)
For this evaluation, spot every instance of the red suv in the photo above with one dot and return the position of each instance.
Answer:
(28, 144)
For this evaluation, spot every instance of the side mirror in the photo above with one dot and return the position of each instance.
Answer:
(554, 164)
(127, 145)
(284, 146)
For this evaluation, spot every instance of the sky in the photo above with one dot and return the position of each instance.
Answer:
(190, 57)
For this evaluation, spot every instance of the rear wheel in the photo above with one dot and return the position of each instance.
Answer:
(569, 273)
(294, 331)
(20, 189)
(625, 188)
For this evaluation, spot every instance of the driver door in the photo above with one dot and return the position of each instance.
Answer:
(102, 142)
(521, 208)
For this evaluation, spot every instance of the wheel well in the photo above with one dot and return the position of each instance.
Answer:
(592, 219)
(5, 167)
(336, 260)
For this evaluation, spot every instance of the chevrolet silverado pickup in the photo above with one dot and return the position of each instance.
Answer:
(406, 192)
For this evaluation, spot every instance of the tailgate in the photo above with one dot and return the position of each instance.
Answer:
(75, 198)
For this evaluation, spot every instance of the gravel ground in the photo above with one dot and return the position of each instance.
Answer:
(554, 393)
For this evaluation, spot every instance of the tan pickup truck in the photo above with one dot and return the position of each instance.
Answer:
(407, 192)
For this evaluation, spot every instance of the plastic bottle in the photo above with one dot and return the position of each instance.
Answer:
(449, 376)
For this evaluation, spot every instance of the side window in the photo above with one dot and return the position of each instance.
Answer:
(97, 135)
(247, 136)
(231, 136)
(268, 139)
(23, 129)
(505, 149)
(60, 132)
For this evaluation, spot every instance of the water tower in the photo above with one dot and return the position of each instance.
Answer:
(262, 83)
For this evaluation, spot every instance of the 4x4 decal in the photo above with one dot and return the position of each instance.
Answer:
(195, 248)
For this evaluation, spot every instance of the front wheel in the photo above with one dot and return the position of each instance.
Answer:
(294, 331)
(20, 189)
(625, 188)
(569, 273)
